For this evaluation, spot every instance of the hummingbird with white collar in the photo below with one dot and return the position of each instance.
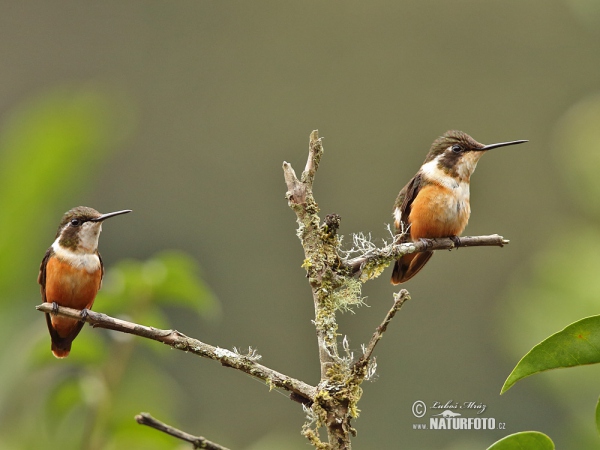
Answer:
(71, 272)
(435, 202)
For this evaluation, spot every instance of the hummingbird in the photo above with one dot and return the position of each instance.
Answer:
(435, 202)
(71, 272)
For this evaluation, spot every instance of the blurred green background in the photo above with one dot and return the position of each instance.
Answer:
(184, 112)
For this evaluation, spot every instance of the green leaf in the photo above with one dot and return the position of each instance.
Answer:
(525, 440)
(576, 345)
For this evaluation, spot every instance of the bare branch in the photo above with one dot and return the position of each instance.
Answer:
(315, 151)
(363, 361)
(196, 441)
(382, 257)
(296, 192)
(300, 391)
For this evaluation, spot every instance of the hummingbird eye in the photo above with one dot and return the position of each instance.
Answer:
(75, 222)
(456, 148)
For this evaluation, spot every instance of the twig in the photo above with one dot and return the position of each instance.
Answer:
(196, 441)
(386, 255)
(363, 361)
(302, 392)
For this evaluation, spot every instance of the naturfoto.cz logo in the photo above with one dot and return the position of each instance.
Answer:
(450, 419)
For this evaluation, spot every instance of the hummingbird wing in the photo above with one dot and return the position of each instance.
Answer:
(410, 264)
(42, 275)
(403, 205)
(101, 268)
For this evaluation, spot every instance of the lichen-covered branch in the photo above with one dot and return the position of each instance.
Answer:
(372, 263)
(320, 251)
(299, 390)
(321, 243)
(196, 441)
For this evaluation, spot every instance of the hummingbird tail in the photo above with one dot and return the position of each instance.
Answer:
(61, 346)
(409, 265)
(61, 352)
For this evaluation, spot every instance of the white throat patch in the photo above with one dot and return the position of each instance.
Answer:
(84, 256)
(88, 236)
(433, 173)
(88, 261)
(460, 189)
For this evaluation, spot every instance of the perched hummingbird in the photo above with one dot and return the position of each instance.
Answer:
(71, 272)
(435, 203)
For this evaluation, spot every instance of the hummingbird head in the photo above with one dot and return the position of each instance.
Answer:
(80, 228)
(456, 153)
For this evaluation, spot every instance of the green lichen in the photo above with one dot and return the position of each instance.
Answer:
(313, 437)
(348, 295)
(347, 387)
(306, 264)
(373, 269)
(317, 417)
(270, 383)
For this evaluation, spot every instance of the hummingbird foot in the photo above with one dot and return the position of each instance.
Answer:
(456, 240)
(54, 308)
(426, 242)
(83, 314)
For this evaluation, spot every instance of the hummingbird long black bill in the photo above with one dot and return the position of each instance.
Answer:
(108, 215)
(502, 144)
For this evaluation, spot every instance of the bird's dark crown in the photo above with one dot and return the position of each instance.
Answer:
(82, 213)
(450, 138)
